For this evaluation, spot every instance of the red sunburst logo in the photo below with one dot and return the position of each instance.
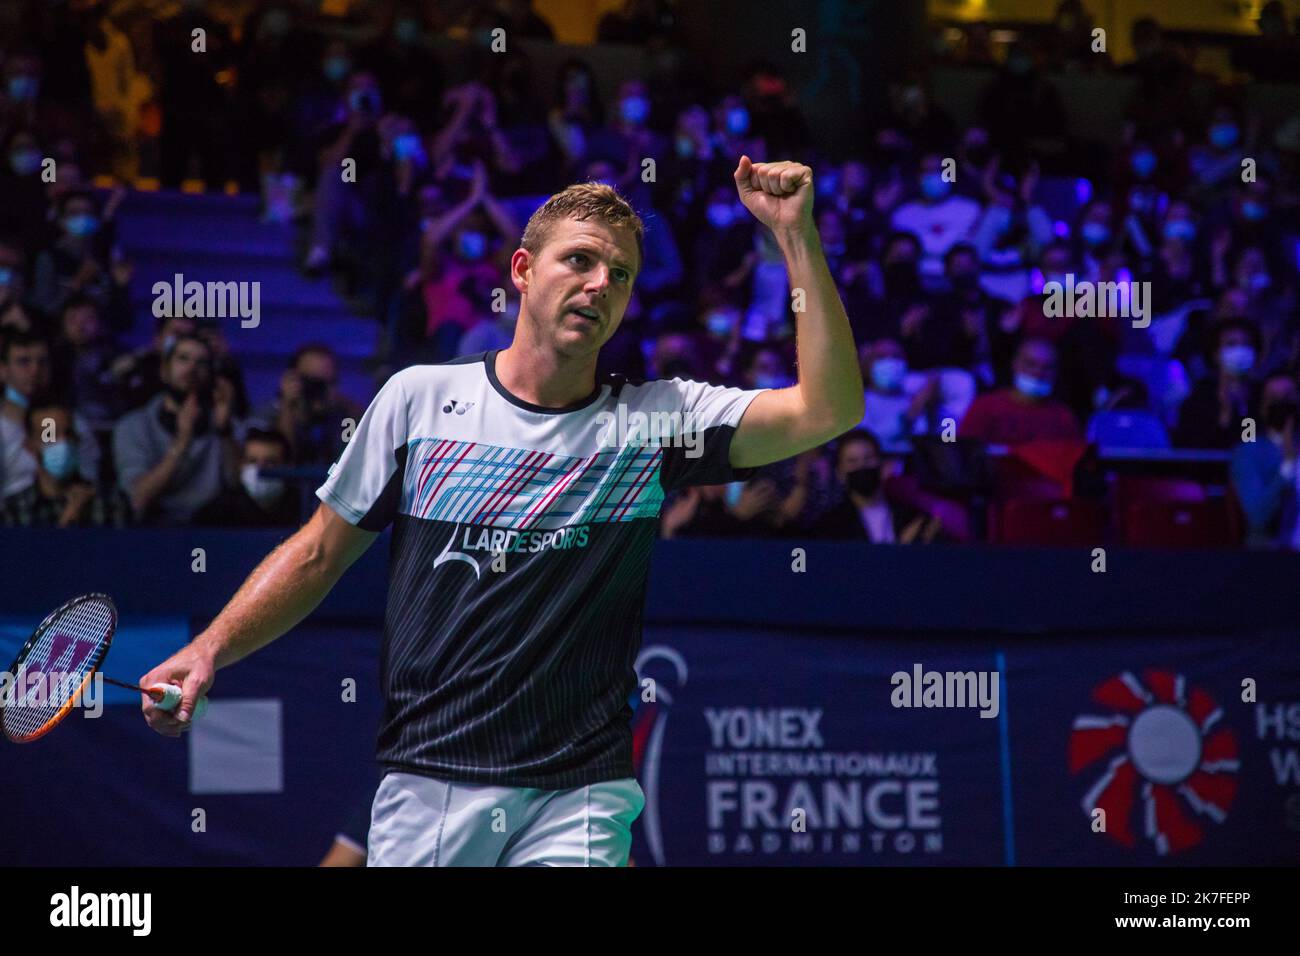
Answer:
(1167, 759)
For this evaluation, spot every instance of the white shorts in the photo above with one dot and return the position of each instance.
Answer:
(421, 821)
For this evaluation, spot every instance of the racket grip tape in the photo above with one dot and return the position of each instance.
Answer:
(171, 699)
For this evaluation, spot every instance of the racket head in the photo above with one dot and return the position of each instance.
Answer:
(63, 652)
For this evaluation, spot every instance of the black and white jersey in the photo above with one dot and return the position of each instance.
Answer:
(520, 551)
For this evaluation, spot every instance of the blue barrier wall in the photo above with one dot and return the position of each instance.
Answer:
(773, 736)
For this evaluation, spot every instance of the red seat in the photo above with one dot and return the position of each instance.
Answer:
(1168, 513)
(1174, 524)
(1077, 523)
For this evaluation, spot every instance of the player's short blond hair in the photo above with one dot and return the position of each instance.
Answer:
(583, 201)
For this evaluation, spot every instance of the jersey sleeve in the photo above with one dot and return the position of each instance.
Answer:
(710, 415)
(365, 485)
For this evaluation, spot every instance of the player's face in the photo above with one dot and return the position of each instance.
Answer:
(586, 266)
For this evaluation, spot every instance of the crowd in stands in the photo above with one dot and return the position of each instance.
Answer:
(939, 236)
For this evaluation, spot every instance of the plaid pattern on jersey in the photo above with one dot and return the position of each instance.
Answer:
(482, 484)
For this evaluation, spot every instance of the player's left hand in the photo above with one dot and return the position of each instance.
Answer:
(780, 195)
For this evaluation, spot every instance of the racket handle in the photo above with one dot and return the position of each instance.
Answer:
(168, 697)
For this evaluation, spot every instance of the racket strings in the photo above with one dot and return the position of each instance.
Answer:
(66, 650)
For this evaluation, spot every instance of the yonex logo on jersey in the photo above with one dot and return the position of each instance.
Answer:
(459, 408)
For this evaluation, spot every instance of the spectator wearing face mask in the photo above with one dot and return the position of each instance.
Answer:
(1211, 415)
(576, 114)
(1271, 56)
(464, 254)
(724, 244)
(59, 497)
(1020, 107)
(693, 170)
(14, 314)
(739, 509)
(898, 286)
(82, 363)
(1178, 272)
(1264, 473)
(1026, 411)
(765, 367)
(407, 71)
(311, 410)
(347, 210)
(83, 261)
(1094, 238)
(259, 501)
(864, 512)
(939, 218)
(1012, 231)
(894, 413)
(1216, 162)
(176, 453)
(194, 102)
(22, 214)
(25, 362)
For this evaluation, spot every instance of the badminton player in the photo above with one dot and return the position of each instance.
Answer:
(523, 520)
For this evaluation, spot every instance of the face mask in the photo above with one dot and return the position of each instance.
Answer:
(1253, 211)
(337, 68)
(719, 323)
(737, 121)
(81, 225)
(24, 162)
(1238, 359)
(1223, 135)
(887, 373)
(13, 395)
(1094, 233)
(59, 459)
(685, 146)
(865, 481)
(23, 88)
(635, 109)
(265, 491)
(1280, 412)
(721, 215)
(408, 146)
(471, 245)
(364, 101)
(933, 186)
(6, 278)
(1258, 281)
(1183, 229)
(1032, 387)
(1144, 164)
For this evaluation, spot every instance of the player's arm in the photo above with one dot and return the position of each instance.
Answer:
(829, 397)
(287, 586)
